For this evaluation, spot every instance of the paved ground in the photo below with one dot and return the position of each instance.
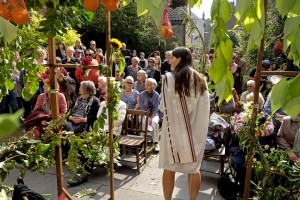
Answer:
(128, 184)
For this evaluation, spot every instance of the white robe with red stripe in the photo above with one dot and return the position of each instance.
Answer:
(184, 128)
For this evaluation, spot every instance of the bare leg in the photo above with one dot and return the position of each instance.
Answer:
(168, 183)
(194, 185)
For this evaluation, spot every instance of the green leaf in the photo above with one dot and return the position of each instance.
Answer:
(284, 6)
(194, 2)
(3, 195)
(9, 84)
(9, 123)
(278, 94)
(7, 30)
(56, 2)
(225, 10)
(242, 8)
(42, 148)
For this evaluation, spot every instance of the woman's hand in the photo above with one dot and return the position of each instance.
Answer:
(44, 123)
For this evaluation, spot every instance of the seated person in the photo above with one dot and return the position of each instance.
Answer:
(149, 101)
(129, 95)
(288, 136)
(251, 88)
(121, 110)
(102, 84)
(84, 112)
(67, 85)
(139, 85)
(41, 114)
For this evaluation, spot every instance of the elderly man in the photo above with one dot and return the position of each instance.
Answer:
(70, 57)
(251, 89)
(166, 65)
(126, 53)
(93, 46)
(149, 100)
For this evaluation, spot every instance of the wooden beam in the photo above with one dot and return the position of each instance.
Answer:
(282, 73)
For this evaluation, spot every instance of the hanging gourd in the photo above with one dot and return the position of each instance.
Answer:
(18, 12)
(166, 28)
(91, 5)
(4, 12)
(111, 5)
(19, 16)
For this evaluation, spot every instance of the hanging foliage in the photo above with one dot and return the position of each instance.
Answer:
(219, 70)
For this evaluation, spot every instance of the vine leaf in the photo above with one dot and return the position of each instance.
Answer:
(284, 95)
(154, 7)
(194, 2)
(250, 14)
(7, 30)
(218, 71)
(284, 7)
(9, 123)
(278, 93)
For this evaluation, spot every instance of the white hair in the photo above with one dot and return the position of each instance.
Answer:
(102, 78)
(251, 82)
(152, 81)
(129, 78)
(71, 49)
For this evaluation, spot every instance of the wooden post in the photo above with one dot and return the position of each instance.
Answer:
(55, 114)
(255, 110)
(109, 74)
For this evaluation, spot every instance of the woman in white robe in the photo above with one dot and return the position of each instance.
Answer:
(185, 104)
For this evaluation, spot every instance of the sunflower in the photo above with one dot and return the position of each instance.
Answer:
(116, 43)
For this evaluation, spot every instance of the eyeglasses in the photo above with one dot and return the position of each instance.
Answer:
(88, 54)
(249, 85)
(129, 83)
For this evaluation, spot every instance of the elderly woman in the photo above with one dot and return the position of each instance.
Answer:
(133, 69)
(288, 136)
(149, 100)
(102, 84)
(85, 109)
(121, 110)
(130, 96)
(139, 85)
(40, 116)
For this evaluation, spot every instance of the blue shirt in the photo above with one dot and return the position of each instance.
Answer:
(143, 99)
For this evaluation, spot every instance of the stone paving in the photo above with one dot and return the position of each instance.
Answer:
(128, 184)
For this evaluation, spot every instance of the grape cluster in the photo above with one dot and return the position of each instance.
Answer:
(177, 3)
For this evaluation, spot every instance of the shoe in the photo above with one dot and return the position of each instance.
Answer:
(156, 147)
(78, 179)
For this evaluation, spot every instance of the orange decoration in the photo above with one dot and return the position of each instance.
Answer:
(111, 5)
(4, 12)
(169, 34)
(163, 31)
(91, 5)
(19, 15)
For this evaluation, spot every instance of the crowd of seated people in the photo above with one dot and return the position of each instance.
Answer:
(83, 92)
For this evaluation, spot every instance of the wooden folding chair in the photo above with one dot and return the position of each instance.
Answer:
(136, 144)
(220, 153)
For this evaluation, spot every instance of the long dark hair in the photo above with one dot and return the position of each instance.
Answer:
(183, 73)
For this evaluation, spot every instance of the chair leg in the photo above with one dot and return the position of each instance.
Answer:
(137, 159)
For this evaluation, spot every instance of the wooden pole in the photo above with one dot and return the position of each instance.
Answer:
(255, 110)
(55, 114)
(109, 74)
